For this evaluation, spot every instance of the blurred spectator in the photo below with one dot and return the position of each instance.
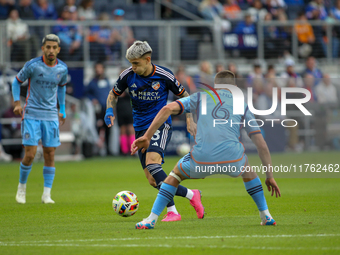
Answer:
(205, 74)
(219, 67)
(245, 27)
(271, 73)
(275, 7)
(166, 12)
(185, 80)
(316, 10)
(305, 35)
(265, 101)
(211, 9)
(290, 74)
(294, 7)
(240, 81)
(5, 8)
(309, 83)
(86, 10)
(19, 37)
(44, 10)
(326, 92)
(97, 91)
(120, 33)
(11, 131)
(257, 12)
(70, 37)
(275, 41)
(231, 9)
(26, 10)
(67, 3)
(101, 40)
(313, 70)
(125, 122)
(256, 80)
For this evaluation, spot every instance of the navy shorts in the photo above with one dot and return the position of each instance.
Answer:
(158, 142)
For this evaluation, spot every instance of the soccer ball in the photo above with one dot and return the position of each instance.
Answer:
(183, 149)
(125, 203)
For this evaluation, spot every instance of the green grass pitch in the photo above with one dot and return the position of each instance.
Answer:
(83, 222)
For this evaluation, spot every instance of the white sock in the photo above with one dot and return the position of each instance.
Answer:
(152, 217)
(172, 209)
(190, 194)
(263, 215)
(47, 191)
(22, 186)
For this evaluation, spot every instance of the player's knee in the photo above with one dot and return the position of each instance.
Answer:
(152, 182)
(29, 157)
(49, 156)
(153, 158)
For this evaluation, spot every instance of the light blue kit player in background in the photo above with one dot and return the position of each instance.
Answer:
(47, 77)
(215, 145)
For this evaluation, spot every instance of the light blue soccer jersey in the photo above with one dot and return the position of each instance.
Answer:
(218, 131)
(43, 82)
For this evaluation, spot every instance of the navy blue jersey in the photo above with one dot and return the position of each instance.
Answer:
(148, 93)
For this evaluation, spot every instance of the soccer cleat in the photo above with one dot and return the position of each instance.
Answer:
(145, 224)
(268, 221)
(5, 157)
(171, 216)
(21, 196)
(46, 199)
(197, 203)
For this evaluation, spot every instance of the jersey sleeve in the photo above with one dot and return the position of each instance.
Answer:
(120, 85)
(175, 86)
(251, 125)
(63, 80)
(25, 73)
(188, 104)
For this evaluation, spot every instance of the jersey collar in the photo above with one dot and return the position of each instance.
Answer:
(152, 73)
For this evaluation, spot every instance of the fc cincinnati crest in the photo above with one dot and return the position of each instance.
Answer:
(155, 85)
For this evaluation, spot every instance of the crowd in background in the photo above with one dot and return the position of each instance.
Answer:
(236, 16)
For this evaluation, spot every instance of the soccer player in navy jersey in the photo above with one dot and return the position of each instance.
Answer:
(149, 85)
(47, 78)
(217, 147)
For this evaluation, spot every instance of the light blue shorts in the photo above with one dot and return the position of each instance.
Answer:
(193, 170)
(34, 130)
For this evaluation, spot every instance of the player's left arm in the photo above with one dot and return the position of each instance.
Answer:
(191, 125)
(61, 98)
(144, 141)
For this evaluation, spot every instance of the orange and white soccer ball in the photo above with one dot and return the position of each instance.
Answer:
(125, 203)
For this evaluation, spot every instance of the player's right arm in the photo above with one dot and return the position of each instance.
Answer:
(16, 97)
(22, 76)
(111, 103)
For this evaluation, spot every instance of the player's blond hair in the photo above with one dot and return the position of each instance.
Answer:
(137, 50)
(52, 38)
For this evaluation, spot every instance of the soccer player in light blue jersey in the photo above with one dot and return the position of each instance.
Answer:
(217, 147)
(149, 86)
(47, 77)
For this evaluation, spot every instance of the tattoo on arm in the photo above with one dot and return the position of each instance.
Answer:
(111, 100)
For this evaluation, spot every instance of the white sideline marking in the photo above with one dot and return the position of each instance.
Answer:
(55, 242)
(176, 246)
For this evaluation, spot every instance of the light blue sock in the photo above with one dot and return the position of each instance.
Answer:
(254, 188)
(24, 172)
(48, 173)
(165, 195)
